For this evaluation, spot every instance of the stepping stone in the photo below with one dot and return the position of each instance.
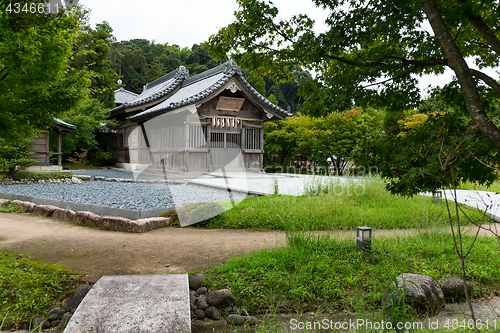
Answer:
(135, 304)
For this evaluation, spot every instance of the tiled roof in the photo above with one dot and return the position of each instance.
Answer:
(63, 123)
(203, 85)
(123, 96)
(160, 87)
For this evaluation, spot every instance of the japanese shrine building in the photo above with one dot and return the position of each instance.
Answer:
(209, 121)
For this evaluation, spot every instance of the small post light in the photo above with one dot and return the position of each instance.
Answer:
(363, 238)
(437, 197)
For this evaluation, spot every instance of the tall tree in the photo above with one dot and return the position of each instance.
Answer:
(36, 81)
(379, 43)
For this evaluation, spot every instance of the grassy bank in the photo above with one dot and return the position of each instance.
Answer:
(495, 187)
(345, 206)
(320, 274)
(29, 289)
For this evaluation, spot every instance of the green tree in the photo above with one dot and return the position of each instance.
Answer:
(382, 44)
(36, 81)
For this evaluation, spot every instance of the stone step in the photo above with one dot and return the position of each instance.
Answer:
(135, 304)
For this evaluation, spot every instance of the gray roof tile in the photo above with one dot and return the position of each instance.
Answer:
(204, 84)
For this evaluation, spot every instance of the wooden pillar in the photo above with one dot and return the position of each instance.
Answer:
(209, 140)
(59, 142)
(261, 156)
(186, 146)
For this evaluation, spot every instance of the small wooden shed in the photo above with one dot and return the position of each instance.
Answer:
(41, 146)
(210, 121)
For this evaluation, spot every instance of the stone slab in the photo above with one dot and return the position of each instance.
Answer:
(135, 304)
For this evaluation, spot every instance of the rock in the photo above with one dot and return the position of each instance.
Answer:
(201, 304)
(44, 210)
(212, 313)
(230, 309)
(192, 306)
(40, 323)
(196, 280)
(220, 298)
(99, 178)
(453, 289)
(76, 299)
(75, 180)
(114, 223)
(201, 291)
(192, 299)
(200, 314)
(64, 214)
(83, 177)
(28, 206)
(54, 313)
(252, 321)
(87, 218)
(202, 296)
(422, 293)
(4, 202)
(55, 323)
(235, 319)
(111, 180)
(148, 224)
(65, 320)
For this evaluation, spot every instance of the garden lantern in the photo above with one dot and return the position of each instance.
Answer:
(437, 197)
(363, 238)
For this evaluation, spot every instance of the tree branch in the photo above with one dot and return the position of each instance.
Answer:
(486, 79)
(426, 62)
(393, 78)
(483, 28)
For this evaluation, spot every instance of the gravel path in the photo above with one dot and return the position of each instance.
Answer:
(134, 196)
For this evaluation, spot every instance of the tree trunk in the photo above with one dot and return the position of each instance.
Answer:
(467, 83)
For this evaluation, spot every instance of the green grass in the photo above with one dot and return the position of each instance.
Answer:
(495, 187)
(319, 274)
(345, 206)
(12, 208)
(40, 176)
(81, 166)
(29, 289)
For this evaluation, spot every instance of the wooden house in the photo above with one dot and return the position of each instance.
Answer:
(42, 150)
(206, 122)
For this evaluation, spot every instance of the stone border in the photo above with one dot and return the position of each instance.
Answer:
(105, 222)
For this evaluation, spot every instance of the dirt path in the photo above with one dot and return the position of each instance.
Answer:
(100, 252)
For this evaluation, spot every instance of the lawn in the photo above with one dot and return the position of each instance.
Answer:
(29, 289)
(495, 187)
(320, 274)
(345, 206)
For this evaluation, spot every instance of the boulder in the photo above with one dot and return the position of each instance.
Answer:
(64, 214)
(453, 289)
(143, 225)
(114, 223)
(44, 210)
(196, 280)
(220, 298)
(84, 177)
(4, 202)
(80, 293)
(54, 313)
(99, 178)
(235, 319)
(201, 291)
(87, 218)
(422, 293)
(75, 180)
(200, 314)
(252, 321)
(40, 323)
(201, 304)
(28, 206)
(212, 313)
(65, 320)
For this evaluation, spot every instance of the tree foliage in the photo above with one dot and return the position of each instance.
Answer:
(327, 142)
(378, 44)
(36, 80)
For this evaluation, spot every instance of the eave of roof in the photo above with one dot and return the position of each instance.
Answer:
(203, 85)
(64, 124)
(124, 96)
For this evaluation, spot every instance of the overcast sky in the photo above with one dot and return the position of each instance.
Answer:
(188, 22)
